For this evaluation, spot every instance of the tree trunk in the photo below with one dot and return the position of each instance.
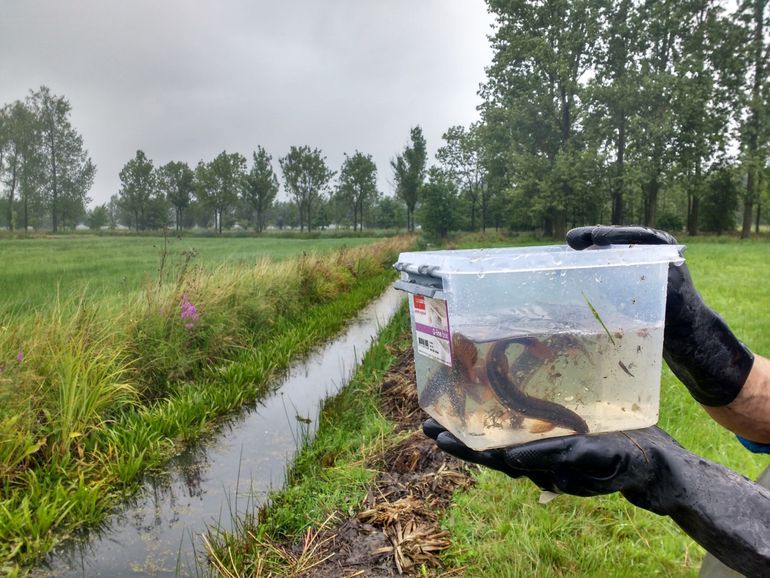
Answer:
(301, 212)
(619, 182)
(560, 224)
(54, 186)
(692, 217)
(755, 108)
(748, 213)
(651, 202)
(748, 202)
(548, 226)
(484, 207)
(11, 220)
(410, 218)
(756, 227)
(361, 215)
(617, 206)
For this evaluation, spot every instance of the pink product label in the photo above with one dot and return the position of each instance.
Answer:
(431, 324)
(435, 331)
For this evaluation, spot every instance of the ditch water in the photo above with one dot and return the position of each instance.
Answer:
(231, 473)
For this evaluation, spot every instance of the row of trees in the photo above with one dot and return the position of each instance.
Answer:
(45, 171)
(645, 111)
(46, 174)
(228, 188)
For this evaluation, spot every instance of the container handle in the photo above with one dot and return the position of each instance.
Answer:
(416, 288)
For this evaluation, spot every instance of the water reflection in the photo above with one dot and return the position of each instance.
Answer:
(232, 472)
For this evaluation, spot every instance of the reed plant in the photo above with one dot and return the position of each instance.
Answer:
(95, 392)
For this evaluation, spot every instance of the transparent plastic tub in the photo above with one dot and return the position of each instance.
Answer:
(517, 344)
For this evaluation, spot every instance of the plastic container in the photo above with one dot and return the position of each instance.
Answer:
(517, 344)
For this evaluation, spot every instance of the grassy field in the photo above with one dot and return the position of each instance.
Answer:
(35, 270)
(91, 396)
(498, 528)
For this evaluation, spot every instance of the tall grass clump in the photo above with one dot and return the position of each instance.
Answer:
(95, 392)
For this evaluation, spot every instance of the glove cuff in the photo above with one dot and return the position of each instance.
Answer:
(707, 357)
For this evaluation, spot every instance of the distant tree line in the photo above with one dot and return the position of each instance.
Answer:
(45, 172)
(230, 190)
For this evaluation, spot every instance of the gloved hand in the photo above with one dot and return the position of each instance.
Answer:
(724, 512)
(698, 346)
(635, 463)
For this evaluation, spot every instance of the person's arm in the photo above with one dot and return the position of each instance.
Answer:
(748, 415)
(725, 513)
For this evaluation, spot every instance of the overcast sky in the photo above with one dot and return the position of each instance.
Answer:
(186, 79)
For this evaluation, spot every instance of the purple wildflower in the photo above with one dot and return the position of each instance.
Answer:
(20, 356)
(189, 312)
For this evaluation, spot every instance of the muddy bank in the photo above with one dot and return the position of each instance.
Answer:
(396, 530)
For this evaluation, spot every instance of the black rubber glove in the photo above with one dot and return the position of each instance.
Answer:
(724, 512)
(698, 346)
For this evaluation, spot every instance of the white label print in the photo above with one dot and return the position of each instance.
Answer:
(431, 323)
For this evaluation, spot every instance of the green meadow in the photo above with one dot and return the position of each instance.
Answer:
(34, 271)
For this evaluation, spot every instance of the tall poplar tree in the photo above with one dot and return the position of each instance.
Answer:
(138, 180)
(176, 181)
(463, 161)
(409, 173)
(306, 177)
(700, 119)
(218, 183)
(68, 168)
(260, 186)
(541, 52)
(358, 184)
(755, 125)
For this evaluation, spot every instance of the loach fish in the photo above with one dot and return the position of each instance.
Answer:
(535, 354)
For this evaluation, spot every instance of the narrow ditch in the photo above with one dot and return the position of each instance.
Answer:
(396, 531)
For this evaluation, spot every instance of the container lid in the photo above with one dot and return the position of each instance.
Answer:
(543, 258)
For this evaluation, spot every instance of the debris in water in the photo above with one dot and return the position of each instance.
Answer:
(599, 319)
(624, 368)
